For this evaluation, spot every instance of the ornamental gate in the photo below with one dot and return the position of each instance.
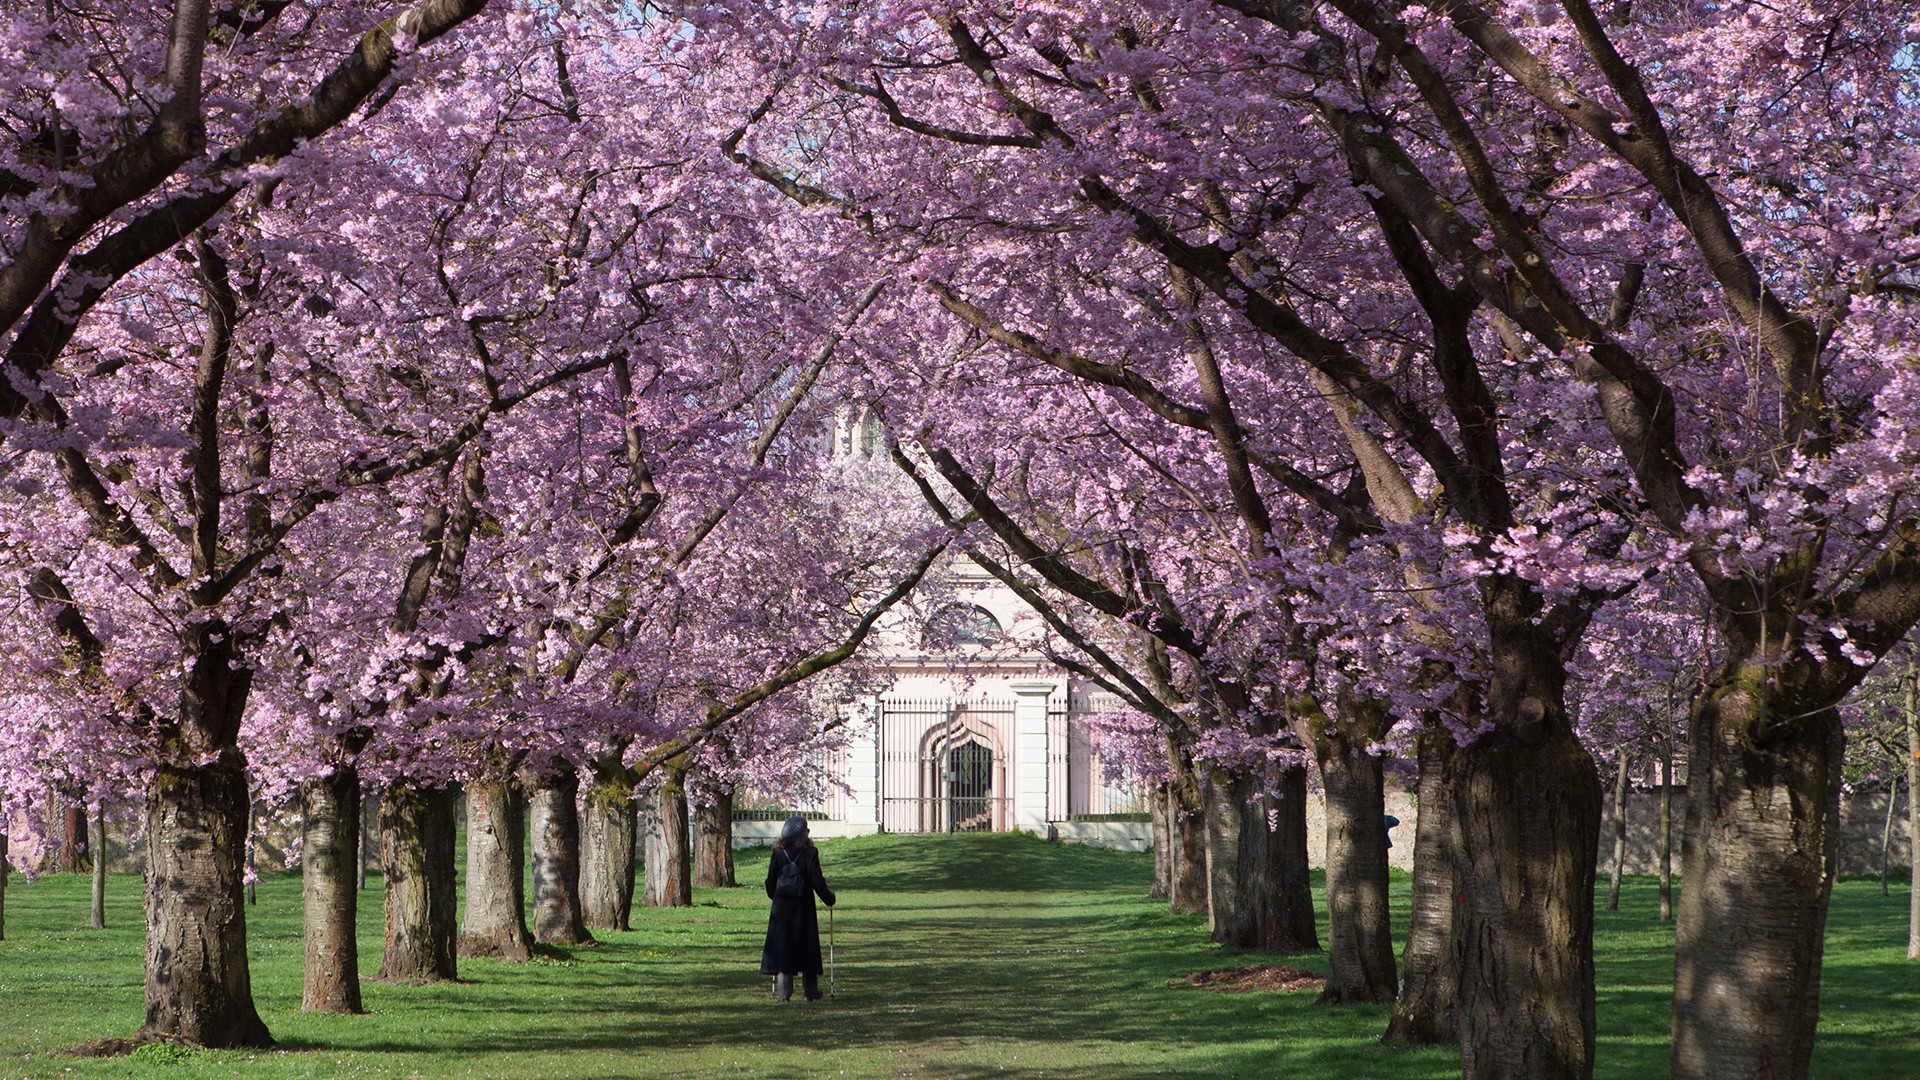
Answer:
(944, 765)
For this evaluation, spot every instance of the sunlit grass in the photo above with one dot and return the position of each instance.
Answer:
(959, 957)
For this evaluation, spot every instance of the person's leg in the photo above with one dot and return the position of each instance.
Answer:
(784, 987)
(810, 983)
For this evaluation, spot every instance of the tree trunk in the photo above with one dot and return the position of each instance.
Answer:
(73, 838)
(608, 831)
(1187, 820)
(1189, 858)
(330, 807)
(416, 860)
(1290, 867)
(99, 846)
(1886, 834)
(1359, 922)
(1619, 835)
(1758, 856)
(1424, 1014)
(1162, 887)
(4, 868)
(1259, 892)
(1913, 821)
(713, 841)
(1526, 825)
(667, 862)
(495, 923)
(553, 833)
(198, 988)
(369, 838)
(1666, 831)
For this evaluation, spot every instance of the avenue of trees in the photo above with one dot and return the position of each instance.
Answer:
(399, 397)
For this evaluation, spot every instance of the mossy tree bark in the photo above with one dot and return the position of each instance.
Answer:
(198, 986)
(1259, 893)
(1758, 857)
(608, 832)
(1424, 1014)
(494, 923)
(198, 989)
(553, 829)
(416, 860)
(329, 850)
(1526, 805)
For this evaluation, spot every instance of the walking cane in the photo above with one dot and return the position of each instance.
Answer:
(829, 952)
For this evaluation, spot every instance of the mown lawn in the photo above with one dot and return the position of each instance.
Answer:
(959, 957)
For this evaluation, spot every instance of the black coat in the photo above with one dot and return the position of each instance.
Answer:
(793, 927)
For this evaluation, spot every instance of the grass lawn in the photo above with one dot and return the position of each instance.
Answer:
(959, 957)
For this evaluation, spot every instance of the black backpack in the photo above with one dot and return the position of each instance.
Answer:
(792, 883)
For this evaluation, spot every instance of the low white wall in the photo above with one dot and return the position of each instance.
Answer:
(1125, 835)
(764, 833)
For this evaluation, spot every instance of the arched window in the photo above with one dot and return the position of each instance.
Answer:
(873, 441)
(964, 624)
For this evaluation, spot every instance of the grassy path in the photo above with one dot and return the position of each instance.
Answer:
(959, 957)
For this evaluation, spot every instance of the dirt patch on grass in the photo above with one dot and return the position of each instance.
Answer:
(1257, 977)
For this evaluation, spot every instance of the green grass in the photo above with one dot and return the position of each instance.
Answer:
(959, 957)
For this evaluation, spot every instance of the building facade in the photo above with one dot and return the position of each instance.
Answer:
(974, 729)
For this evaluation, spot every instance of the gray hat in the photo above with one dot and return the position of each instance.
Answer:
(796, 826)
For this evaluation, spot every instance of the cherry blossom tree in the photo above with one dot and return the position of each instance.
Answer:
(1422, 219)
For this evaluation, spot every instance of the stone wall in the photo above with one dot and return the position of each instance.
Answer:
(1862, 817)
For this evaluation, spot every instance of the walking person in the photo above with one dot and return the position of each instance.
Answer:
(793, 926)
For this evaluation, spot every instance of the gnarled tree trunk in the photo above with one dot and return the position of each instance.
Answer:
(1526, 802)
(329, 854)
(1359, 924)
(416, 859)
(198, 987)
(1757, 858)
(1424, 1014)
(713, 841)
(553, 830)
(1259, 893)
(667, 861)
(197, 984)
(495, 920)
(608, 831)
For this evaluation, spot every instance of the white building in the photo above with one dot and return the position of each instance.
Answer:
(974, 731)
